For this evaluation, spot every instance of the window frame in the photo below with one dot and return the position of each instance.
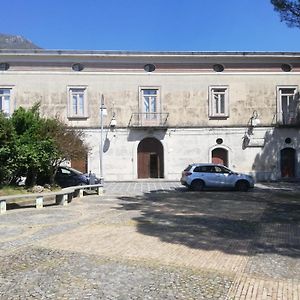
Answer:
(71, 114)
(279, 95)
(141, 98)
(10, 106)
(212, 108)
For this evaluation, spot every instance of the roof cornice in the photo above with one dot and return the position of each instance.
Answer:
(112, 53)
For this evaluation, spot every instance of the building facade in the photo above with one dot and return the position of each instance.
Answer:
(166, 110)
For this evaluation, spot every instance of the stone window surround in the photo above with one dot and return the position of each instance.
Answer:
(10, 88)
(158, 97)
(212, 112)
(279, 88)
(85, 102)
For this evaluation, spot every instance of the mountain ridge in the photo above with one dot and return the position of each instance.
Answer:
(8, 41)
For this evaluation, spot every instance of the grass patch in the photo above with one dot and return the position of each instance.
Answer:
(6, 190)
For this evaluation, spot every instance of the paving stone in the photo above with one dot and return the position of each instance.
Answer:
(155, 240)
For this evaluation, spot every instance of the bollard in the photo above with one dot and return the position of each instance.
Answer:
(99, 190)
(2, 206)
(80, 193)
(39, 202)
(65, 200)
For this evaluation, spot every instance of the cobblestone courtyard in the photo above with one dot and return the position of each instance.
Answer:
(155, 241)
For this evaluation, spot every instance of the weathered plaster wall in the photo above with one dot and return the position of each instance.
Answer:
(185, 146)
(191, 135)
(183, 96)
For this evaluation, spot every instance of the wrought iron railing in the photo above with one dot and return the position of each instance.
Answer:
(148, 120)
(286, 119)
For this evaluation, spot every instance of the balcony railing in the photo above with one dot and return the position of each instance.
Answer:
(148, 120)
(287, 119)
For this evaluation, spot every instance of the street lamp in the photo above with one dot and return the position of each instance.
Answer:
(254, 120)
(103, 112)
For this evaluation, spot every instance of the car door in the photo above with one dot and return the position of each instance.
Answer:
(222, 176)
(217, 177)
(64, 177)
(207, 174)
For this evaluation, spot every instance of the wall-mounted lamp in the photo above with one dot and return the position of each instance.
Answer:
(254, 120)
(113, 122)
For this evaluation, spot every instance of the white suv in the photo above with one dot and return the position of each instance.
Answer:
(199, 176)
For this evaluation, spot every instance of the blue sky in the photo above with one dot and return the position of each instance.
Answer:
(152, 25)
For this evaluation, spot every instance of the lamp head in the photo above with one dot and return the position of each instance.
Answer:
(113, 122)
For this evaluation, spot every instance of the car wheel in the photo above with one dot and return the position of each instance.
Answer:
(242, 186)
(197, 185)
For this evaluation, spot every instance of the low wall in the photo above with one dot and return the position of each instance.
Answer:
(62, 197)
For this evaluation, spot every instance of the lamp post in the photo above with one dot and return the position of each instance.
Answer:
(102, 114)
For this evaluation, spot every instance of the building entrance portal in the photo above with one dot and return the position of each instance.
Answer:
(220, 156)
(287, 162)
(150, 155)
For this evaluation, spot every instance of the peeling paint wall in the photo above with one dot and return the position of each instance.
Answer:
(184, 97)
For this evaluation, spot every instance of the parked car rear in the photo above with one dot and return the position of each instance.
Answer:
(66, 176)
(201, 175)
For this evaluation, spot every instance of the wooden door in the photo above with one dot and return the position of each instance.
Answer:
(143, 165)
(287, 162)
(150, 159)
(154, 165)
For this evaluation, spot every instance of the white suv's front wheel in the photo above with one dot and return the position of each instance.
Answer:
(242, 186)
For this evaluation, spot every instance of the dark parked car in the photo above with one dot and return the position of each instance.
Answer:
(200, 176)
(66, 176)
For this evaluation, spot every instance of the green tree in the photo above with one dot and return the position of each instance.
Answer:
(34, 146)
(289, 11)
(7, 146)
(69, 144)
(34, 150)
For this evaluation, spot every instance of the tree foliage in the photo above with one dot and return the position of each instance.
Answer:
(7, 142)
(68, 144)
(289, 11)
(34, 146)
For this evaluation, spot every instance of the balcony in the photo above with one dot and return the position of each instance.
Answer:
(287, 120)
(146, 120)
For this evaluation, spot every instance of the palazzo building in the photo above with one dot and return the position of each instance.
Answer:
(166, 109)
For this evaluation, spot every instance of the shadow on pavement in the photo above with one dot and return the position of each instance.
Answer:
(232, 222)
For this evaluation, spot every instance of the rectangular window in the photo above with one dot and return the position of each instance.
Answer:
(77, 102)
(149, 103)
(218, 101)
(5, 101)
(286, 104)
(150, 99)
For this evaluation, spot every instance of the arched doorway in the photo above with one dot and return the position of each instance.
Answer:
(219, 156)
(287, 162)
(150, 155)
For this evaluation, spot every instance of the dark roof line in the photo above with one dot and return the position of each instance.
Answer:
(146, 53)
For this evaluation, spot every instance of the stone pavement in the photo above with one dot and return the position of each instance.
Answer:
(140, 187)
(165, 244)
